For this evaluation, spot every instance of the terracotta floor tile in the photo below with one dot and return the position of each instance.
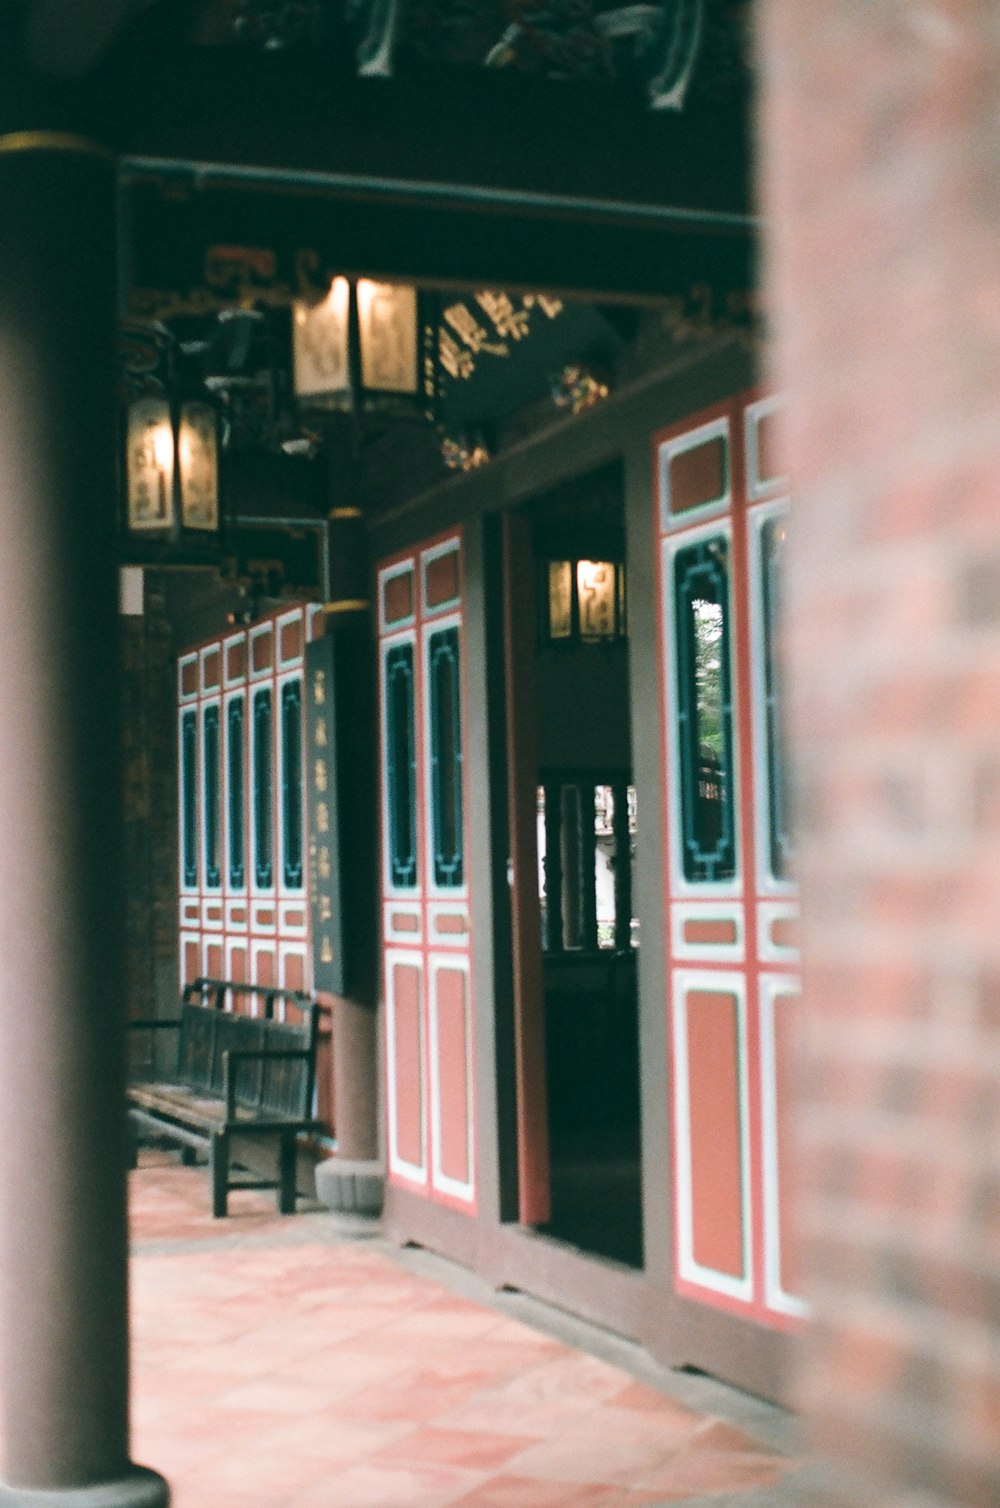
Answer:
(278, 1368)
(590, 1453)
(524, 1492)
(383, 1486)
(700, 1471)
(474, 1450)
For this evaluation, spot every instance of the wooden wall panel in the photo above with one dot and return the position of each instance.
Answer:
(424, 861)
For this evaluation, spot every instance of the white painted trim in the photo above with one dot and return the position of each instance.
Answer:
(237, 695)
(287, 678)
(415, 1173)
(231, 944)
(459, 963)
(183, 940)
(772, 911)
(691, 1271)
(690, 440)
(407, 908)
(265, 903)
(756, 519)
(389, 573)
(211, 940)
(287, 950)
(452, 546)
(682, 912)
(259, 631)
(210, 891)
(679, 884)
(188, 708)
(294, 662)
(436, 626)
(757, 486)
(438, 909)
(253, 691)
(229, 682)
(390, 642)
(238, 903)
(289, 929)
(186, 698)
(206, 691)
(212, 912)
(258, 947)
(771, 987)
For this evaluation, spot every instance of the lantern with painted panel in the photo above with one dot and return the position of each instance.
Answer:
(367, 347)
(585, 601)
(171, 463)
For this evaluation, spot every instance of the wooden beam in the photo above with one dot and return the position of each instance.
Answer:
(439, 137)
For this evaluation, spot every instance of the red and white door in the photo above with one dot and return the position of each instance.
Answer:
(731, 908)
(426, 916)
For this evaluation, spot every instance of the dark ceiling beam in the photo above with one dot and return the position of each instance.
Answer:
(458, 175)
(301, 121)
(65, 38)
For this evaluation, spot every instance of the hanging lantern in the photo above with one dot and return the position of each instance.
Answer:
(585, 601)
(367, 347)
(172, 468)
(171, 460)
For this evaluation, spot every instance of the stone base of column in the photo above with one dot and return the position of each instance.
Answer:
(351, 1186)
(141, 1488)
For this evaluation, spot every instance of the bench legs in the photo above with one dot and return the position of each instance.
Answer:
(286, 1174)
(219, 1165)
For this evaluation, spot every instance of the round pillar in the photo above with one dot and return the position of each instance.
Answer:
(352, 1180)
(63, 1234)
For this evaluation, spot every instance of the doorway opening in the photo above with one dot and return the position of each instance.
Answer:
(586, 825)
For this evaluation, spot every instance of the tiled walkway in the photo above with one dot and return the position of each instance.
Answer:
(279, 1365)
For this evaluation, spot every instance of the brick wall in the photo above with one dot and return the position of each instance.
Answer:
(150, 766)
(881, 148)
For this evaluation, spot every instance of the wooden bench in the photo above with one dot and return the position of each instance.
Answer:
(231, 1074)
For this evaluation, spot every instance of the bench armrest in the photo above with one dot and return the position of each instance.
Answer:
(232, 1056)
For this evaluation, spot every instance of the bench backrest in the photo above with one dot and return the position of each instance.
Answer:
(282, 1087)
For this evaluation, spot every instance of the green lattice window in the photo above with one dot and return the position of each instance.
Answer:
(263, 795)
(211, 771)
(401, 767)
(772, 568)
(446, 756)
(291, 782)
(235, 824)
(189, 798)
(704, 710)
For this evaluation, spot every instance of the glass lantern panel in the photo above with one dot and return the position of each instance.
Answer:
(597, 593)
(150, 465)
(320, 345)
(198, 457)
(387, 327)
(560, 599)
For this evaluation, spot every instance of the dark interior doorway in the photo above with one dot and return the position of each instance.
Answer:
(586, 833)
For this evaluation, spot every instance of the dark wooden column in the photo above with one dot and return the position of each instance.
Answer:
(352, 1181)
(63, 1246)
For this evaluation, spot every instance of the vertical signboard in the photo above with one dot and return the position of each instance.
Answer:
(324, 832)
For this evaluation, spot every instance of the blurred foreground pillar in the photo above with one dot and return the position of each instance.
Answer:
(880, 134)
(63, 1246)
